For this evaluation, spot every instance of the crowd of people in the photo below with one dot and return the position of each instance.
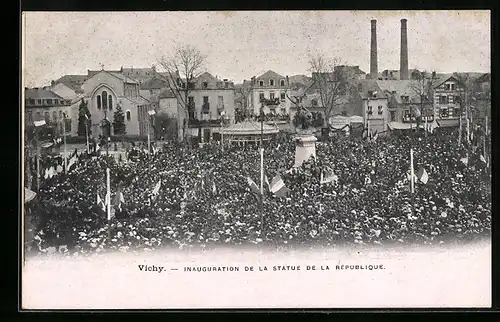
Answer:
(204, 198)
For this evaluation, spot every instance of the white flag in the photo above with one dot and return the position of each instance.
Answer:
(482, 158)
(157, 188)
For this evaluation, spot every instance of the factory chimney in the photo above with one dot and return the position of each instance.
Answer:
(373, 52)
(403, 67)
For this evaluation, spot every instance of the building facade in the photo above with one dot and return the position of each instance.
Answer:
(105, 91)
(374, 106)
(43, 104)
(270, 86)
(447, 99)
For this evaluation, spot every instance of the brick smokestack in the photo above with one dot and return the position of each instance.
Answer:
(373, 52)
(403, 67)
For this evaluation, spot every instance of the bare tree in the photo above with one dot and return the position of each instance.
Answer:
(244, 90)
(423, 87)
(466, 90)
(182, 68)
(332, 81)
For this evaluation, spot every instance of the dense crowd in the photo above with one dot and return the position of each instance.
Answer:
(205, 200)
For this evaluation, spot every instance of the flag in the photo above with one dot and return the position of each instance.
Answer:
(266, 180)
(368, 180)
(52, 172)
(408, 176)
(156, 189)
(422, 175)
(253, 186)
(214, 188)
(465, 160)
(431, 126)
(329, 176)
(71, 162)
(46, 174)
(101, 203)
(278, 187)
(97, 147)
(59, 169)
(119, 199)
(482, 158)
(375, 137)
(416, 112)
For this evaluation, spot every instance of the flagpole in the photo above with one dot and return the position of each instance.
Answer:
(38, 160)
(108, 194)
(412, 182)
(484, 138)
(64, 138)
(261, 168)
(87, 132)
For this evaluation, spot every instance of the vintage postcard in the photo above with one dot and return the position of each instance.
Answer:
(256, 159)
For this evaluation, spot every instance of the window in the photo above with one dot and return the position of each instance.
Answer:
(221, 101)
(444, 112)
(47, 117)
(128, 115)
(405, 99)
(98, 102)
(370, 111)
(442, 99)
(380, 110)
(282, 82)
(393, 116)
(205, 85)
(407, 115)
(206, 105)
(271, 82)
(67, 125)
(60, 114)
(314, 102)
(226, 85)
(261, 83)
(31, 101)
(49, 101)
(282, 96)
(452, 87)
(456, 112)
(110, 102)
(54, 116)
(104, 100)
(261, 96)
(271, 96)
(39, 102)
(450, 99)
(61, 102)
(458, 99)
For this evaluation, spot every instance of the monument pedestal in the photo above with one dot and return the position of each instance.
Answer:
(305, 148)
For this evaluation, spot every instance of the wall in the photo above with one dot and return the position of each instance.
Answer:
(213, 96)
(443, 91)
(377, 122)
(254, 100)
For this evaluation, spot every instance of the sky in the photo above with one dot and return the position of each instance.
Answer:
(242, 44)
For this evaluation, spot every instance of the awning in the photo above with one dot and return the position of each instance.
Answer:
(448, 123)
(28, 195)
(402, 126)
(250, 128)
(356, 119)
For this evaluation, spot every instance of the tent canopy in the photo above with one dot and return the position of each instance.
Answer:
(249, 128)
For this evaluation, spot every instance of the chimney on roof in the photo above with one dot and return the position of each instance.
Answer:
(52, 83)
(373, 51)
(403, 67)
